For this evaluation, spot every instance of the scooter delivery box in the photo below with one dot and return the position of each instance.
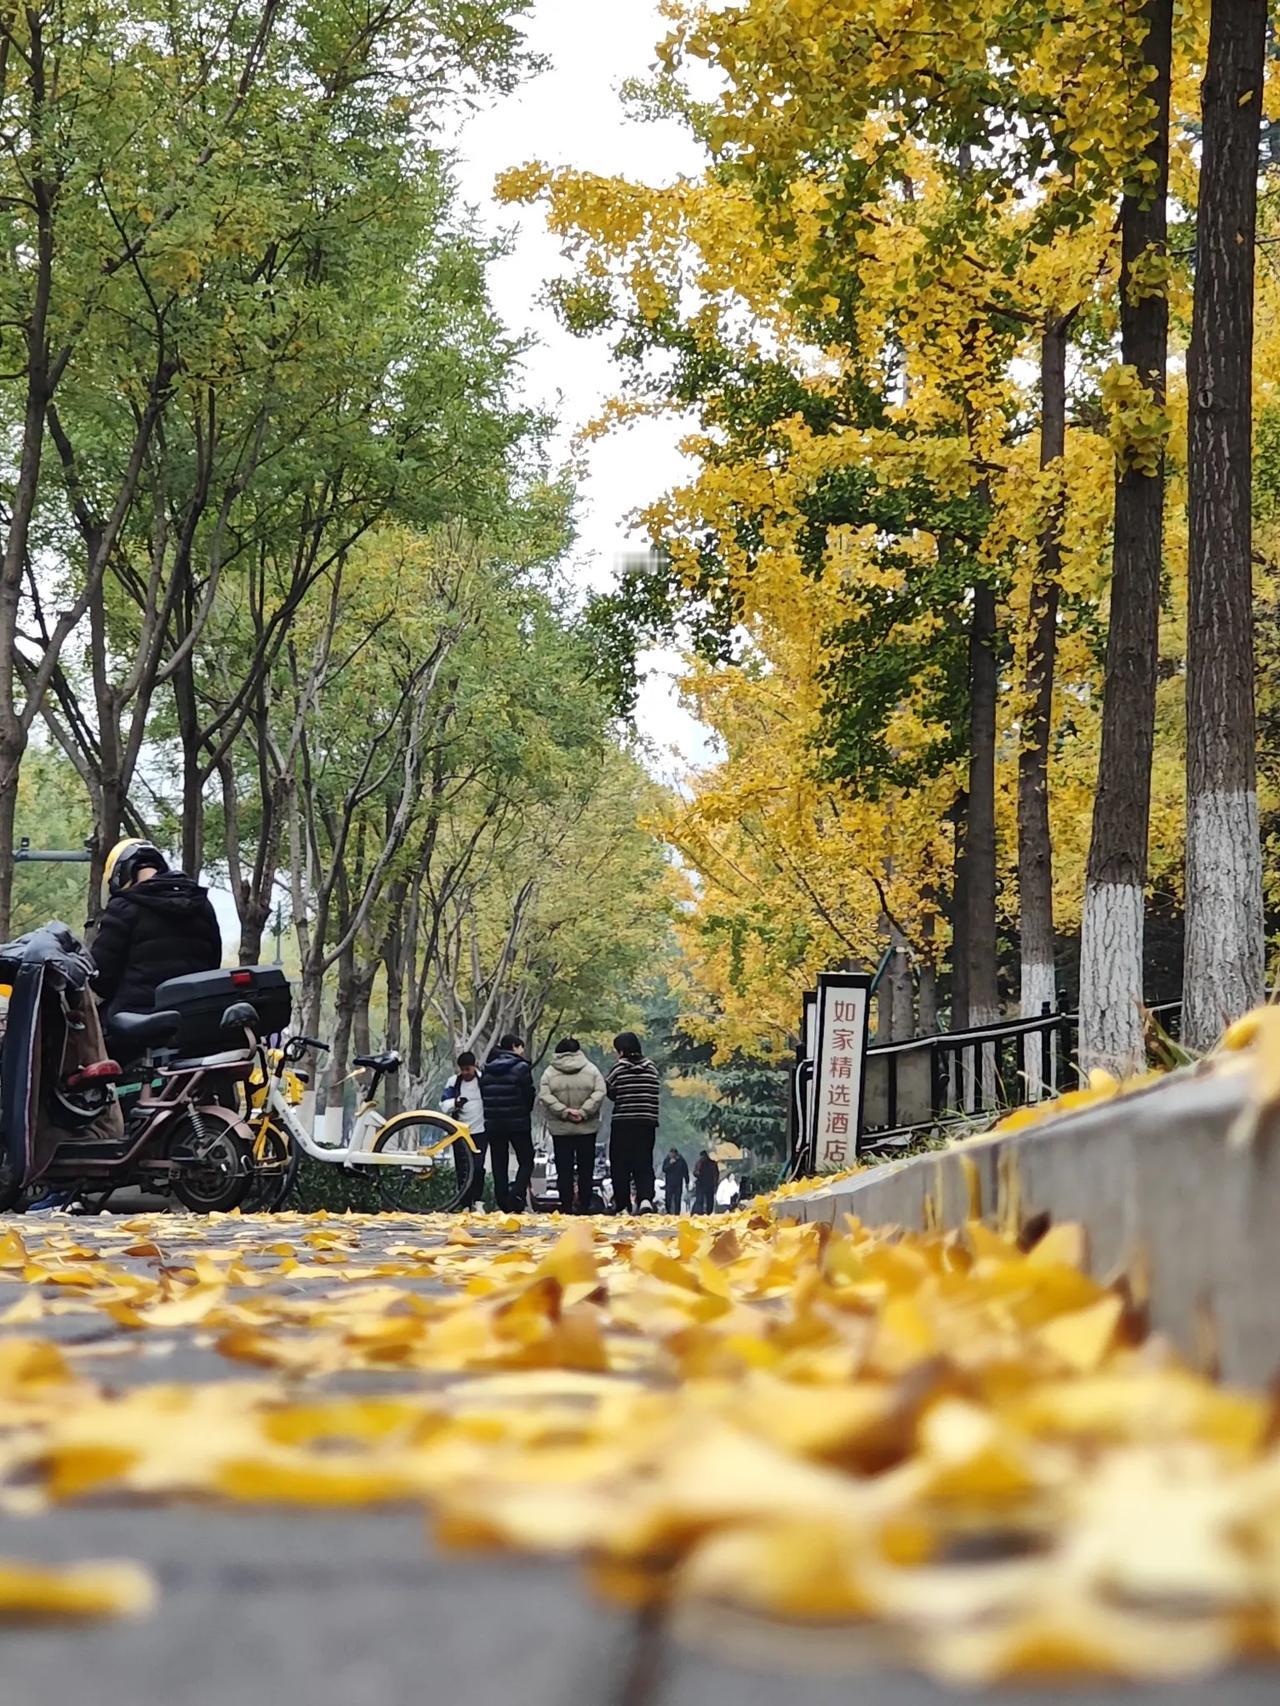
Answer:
(204, 996)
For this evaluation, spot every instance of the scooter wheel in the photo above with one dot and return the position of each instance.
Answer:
(215, 1164)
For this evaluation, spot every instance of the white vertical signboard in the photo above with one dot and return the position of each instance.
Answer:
(843, 1000)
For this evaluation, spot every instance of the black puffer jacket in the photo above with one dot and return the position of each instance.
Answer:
(162, 928)
(507, 1091)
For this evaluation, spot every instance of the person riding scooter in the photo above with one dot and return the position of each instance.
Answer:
(156, 924)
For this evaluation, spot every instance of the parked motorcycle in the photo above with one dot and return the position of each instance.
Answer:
(69, 1121)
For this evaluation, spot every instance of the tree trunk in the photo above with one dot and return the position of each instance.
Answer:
(344, 1009)
(886, 989)
(980, 839)
(980, 823)
(184, 694)
(1111, 937)
(902, 1025)
(312, 990)
(361, 994)
(1224, 972)
(416, 1015)
(1035, 849)
(40, 382)
(11, 750)
(927, 980)
(251, 928)
(108, 812)
(255, 896)
(960, 916)
(395, 971)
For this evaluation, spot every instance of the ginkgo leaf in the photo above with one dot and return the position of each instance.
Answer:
(36, 1593)
(940, 1433)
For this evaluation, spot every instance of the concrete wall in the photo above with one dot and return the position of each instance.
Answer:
(1150, 1177)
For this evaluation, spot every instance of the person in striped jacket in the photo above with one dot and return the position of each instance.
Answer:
(633, 1088)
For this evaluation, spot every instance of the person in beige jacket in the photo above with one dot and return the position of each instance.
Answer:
(572, 1095)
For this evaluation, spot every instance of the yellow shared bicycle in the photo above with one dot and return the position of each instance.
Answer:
(422, 1160)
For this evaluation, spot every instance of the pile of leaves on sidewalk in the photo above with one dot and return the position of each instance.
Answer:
(969, 1448)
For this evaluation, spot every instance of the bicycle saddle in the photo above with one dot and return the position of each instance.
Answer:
(389, 1062)
(144, 1030)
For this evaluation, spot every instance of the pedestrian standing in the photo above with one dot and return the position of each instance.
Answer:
(706, 1178)
(572, 1094)
(463, 1101)
(633, 1088)
(675, 1177)
(507, 1090)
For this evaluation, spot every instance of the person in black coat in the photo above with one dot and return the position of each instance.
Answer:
(706, 1180)
(157, 924)
(508, 1092)
(675, 1177)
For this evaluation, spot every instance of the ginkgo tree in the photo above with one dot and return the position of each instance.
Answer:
(880, 243)
(915, 306)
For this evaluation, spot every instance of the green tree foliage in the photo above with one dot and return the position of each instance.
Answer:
(280, 549)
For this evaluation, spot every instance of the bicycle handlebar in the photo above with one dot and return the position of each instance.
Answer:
(296, 1047)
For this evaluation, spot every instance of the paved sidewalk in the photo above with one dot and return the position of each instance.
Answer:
(358, 1607)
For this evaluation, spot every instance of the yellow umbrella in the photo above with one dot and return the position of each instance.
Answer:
(726, 1152)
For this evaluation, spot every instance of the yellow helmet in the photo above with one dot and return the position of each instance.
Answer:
(125, 860)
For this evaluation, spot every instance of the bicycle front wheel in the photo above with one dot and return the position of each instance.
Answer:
(275, 1167)
(443, 1184)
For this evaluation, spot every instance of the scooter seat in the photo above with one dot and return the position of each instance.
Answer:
(144, 1030)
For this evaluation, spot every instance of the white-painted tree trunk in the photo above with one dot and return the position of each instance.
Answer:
(1111, 978)
(1038, 991)
(984, 1056)
(1225, 970)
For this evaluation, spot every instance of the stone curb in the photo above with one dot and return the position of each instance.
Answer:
(1151, 1178)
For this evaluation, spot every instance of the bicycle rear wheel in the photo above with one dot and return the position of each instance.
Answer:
(442, 1185)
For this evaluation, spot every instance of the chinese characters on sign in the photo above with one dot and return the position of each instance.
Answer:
(841, 1052)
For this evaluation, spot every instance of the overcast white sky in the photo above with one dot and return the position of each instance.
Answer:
(572, 115)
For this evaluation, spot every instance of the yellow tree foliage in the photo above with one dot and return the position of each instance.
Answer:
(847, 234)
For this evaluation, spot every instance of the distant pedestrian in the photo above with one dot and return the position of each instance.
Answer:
(572, 1094)
(727, 1192)
(463, 1101)
(633, 1088)
(506, 1087)
(706, 1180)
(675, 1178)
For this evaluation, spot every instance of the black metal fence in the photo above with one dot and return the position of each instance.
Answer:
(961, 1077)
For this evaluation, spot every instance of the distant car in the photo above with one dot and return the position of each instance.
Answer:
(544, 1187)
